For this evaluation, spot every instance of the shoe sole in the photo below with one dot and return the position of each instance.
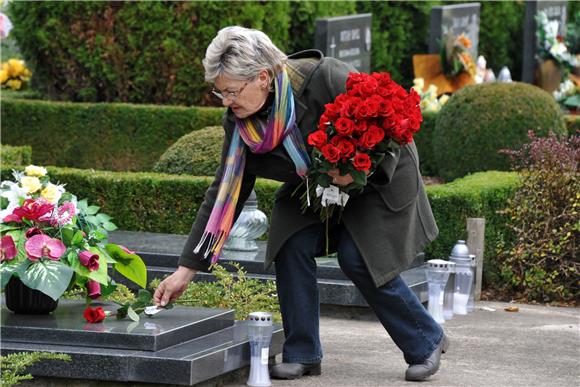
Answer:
(312, 371)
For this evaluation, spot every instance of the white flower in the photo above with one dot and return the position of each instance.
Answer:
(443, 99)
(419, 83)
(558, 49)
(551, 29)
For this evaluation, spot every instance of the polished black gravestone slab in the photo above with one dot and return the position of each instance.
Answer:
(188, 362)
(66, 326)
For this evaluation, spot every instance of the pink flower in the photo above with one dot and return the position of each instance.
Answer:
(127, 250)
(7, 249)
(12, 218)
(64, 214)
(44, 246)
(32, 231)
(89, 260)
(94, 289)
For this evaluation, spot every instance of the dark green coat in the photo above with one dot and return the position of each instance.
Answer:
(390, 221)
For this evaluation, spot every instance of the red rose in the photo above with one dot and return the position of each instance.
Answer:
(344, 145)
(355, 78)
(376, 133)
(369, 86)
(344, 126)
(366, 141)
(317, 139)
(323, 122)
(332, 111)
(360, 127)
(362, 162)
(349, 106)
(94, 315)
(33, 209)
(331, 153)
(362, 111)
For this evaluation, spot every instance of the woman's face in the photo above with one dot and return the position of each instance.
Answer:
(243, 97)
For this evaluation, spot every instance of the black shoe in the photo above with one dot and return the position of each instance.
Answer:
(417, 372)
(294, 370)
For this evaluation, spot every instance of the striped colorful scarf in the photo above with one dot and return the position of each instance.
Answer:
(260, 137)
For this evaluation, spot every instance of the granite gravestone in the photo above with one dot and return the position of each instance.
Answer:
(555, 10)
(453, 20)
(347, 38)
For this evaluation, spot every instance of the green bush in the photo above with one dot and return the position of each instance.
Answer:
(238, 292)
(542, 262)
(197, 153)
(479, 120)
(102, 136)
(138, 52)
(15, 155)
(424, 141)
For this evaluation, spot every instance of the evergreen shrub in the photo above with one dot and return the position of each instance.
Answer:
(15, 155)
(479, 120)
(197, 153)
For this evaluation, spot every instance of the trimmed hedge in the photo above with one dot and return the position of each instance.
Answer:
(120, 137)
(168, 203)
(480, 120)
(15, 155)
(197, 153)
(139, 52)
(572, 123)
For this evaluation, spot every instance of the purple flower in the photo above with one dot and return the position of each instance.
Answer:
(32, 231)
(89, 260)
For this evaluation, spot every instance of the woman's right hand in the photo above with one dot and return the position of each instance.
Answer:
(173, 286)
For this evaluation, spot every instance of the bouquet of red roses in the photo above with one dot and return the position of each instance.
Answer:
(374, 115)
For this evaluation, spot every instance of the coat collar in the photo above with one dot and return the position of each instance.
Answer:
(300, 67)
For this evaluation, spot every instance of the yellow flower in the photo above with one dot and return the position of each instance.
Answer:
(16, 66)
(3, 76)
(52, 193)
(30, 184)
(443, 99)
(14, 84)
(33, 170)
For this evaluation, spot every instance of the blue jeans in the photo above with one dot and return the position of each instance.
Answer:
(396, 306)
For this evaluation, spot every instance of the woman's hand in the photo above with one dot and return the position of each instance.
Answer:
(173, 286)
(338, 179)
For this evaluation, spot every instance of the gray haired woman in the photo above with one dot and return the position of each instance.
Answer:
(274, 102)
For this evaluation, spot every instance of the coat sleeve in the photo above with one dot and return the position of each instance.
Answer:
(188, 257)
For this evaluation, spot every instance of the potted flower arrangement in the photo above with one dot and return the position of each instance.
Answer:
(51, 242)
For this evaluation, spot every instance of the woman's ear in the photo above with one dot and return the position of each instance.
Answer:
(264, 78)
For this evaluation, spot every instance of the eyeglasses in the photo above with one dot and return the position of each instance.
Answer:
(231, 95)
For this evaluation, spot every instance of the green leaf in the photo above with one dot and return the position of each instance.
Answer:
(109, 226)
(92, 210)
(144, 296)
(78, 238)
(103, 218)
(82, 205)
(50, 277)
(324, 180)
(7, 269)
(132, 315)
(129, 265)
(4, 228)
(100, 275)
(67, 236)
